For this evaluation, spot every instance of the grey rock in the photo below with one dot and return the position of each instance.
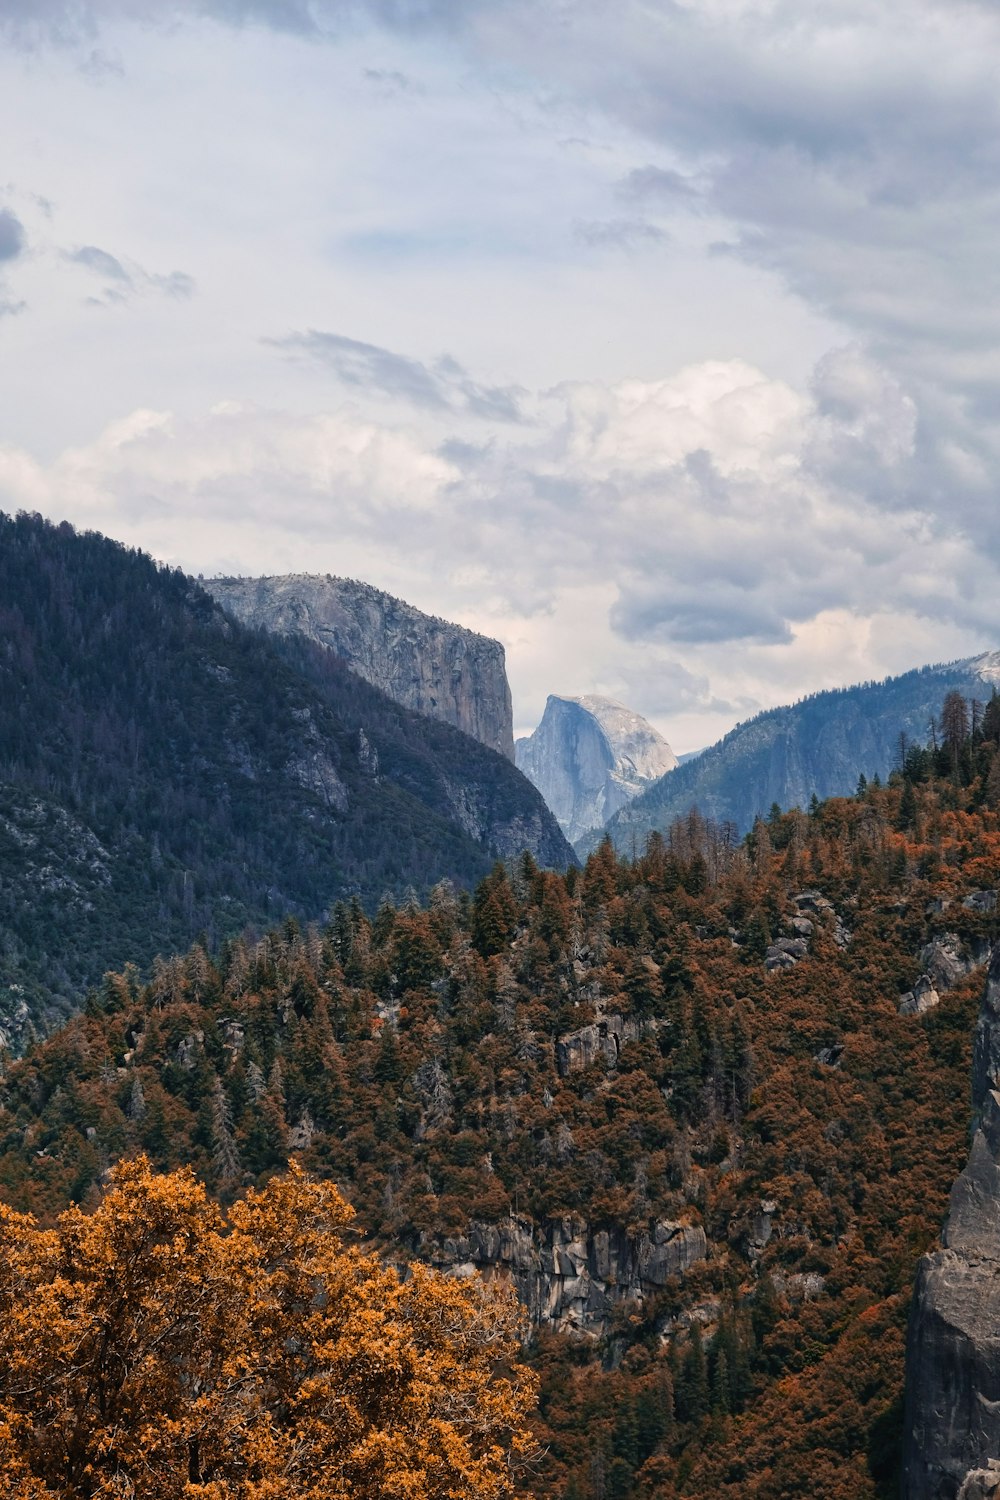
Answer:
(802, 927)
(982, 1484)
(952, 1420)
(922, 998)
(944, 961)
(570, 1276)
(576, 1050)
(981, 901)
(588, 757)
(424, 663)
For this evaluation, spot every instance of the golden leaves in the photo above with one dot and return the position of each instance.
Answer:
(155, 1349)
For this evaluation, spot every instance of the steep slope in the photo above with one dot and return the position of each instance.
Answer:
(164, 770)
(590, 756)
(818, 747)
(708, 1161)
(422, 662)
(953, 1359)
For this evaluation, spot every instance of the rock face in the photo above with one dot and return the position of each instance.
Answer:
(570, 1275)
(424, 663)
(952, 1427)
(589, 757)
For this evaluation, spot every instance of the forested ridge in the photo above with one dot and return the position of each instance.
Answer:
(708, 1036)
(165, 771)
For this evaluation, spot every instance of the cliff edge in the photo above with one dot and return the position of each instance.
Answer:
(952, 1424)
(425, 664)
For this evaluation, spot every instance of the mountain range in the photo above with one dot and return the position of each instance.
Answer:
(166, 771)
(817, 747)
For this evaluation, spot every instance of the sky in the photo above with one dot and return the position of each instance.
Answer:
(660, 340)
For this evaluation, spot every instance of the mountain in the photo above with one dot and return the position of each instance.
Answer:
(164, 770)
(818, 747)
(685, 1105)
(590, 756)
(424, 663)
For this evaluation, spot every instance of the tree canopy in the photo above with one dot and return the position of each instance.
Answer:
(160, 1348)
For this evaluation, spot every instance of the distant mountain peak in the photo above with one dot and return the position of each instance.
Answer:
(589, 756)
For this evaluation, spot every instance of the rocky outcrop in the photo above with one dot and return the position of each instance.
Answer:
(588, 757)
(604, 1038)
(424, 663)
(952, 1427)
(946, 960)
(568, 1274)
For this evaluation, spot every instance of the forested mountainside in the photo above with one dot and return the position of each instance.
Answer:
(703, 1107)
(424, 663)
(817, 747)
(165, 771)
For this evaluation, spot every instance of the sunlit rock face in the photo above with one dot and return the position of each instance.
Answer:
(589, 756)
(424, 663)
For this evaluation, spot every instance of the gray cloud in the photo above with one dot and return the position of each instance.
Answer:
(124, 281)
(659, 184)
(442, 386)
(391, 83)
(101, 263)
(618, 234)
(12, 236)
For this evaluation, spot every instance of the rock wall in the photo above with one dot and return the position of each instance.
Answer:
(571, 1275)
(588, 757)
(952, 1423)
(426, 664)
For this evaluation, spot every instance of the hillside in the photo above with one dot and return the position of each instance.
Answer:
(165, 772)
(703, 1108)
(818, 747)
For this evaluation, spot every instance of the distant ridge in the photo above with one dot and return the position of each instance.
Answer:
(816, 747)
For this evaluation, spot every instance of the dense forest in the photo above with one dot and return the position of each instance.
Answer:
(715, 1045)
(165, 771)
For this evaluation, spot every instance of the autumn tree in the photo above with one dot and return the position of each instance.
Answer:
(158, 1348)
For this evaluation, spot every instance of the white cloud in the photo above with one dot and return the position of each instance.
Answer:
(643, 540)
(741, 251)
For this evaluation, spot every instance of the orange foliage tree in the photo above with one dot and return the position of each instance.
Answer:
(157, 1348)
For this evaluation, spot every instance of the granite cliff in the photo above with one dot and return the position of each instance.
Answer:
(817, 747)
(425, 664)
(590, 756)
(569, 1274)
(952, 1425)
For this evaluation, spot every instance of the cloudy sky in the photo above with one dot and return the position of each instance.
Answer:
(660, 339)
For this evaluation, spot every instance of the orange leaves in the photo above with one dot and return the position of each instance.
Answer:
(154, 1349)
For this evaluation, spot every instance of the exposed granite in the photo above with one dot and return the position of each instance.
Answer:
(571, 1275)
(427, 664)
(952, 1426)
(589, 756)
